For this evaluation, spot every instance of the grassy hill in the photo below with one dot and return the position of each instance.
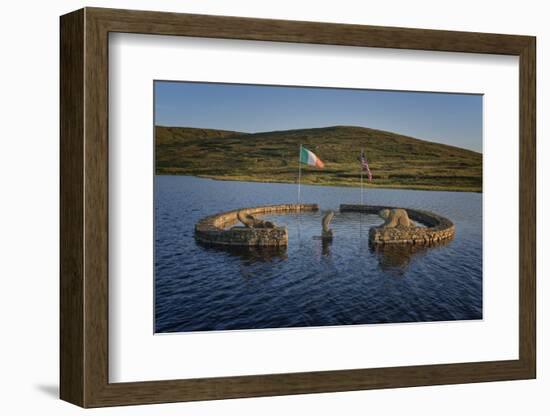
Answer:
(396, 161)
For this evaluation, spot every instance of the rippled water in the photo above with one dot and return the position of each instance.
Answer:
(311, 283)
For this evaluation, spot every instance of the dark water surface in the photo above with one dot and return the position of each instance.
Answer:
(345, 282)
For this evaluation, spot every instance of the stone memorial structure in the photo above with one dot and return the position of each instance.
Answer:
(254, 232)
(327, 231)
(400, 226)
(397, 228)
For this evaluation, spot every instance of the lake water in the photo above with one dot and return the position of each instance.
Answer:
(311, 283)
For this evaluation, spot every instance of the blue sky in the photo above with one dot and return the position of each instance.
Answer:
(454, 119)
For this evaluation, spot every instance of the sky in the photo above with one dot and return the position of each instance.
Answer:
(454, 119)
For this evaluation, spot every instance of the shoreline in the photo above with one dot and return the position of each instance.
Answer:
(333, 183)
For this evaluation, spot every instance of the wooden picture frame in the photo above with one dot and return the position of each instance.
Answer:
(84, 207)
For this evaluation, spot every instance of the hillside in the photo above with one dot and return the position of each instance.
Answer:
(396, 161)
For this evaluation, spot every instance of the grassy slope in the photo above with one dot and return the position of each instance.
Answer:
(396, 161)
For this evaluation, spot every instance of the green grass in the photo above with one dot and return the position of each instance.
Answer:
(396, 161)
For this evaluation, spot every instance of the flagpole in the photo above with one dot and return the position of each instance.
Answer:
(299, 196)
(360, 213)
(361, 167)
(299, 171)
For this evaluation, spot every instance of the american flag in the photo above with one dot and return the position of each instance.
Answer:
(365, 165)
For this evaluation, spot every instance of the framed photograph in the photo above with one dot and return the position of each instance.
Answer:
(255, 207)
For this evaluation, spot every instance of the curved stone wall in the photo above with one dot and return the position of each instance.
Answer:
(213, 229)
(437, 228)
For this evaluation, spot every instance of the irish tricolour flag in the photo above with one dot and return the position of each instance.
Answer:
(310, 158)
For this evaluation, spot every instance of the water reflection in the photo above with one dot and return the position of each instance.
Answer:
(325, 246)
(395, 258)
(249, 254)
